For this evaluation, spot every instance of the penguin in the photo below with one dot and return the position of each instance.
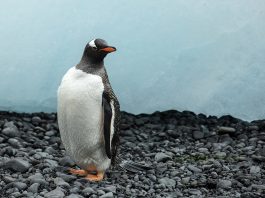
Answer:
(89, 113)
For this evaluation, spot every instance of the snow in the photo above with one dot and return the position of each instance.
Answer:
(199, 55)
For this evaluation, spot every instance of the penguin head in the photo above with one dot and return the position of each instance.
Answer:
(96, 50)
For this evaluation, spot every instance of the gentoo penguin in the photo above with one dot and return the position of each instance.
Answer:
(89, 113)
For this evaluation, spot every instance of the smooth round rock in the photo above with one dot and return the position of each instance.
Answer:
(162, 157)
(167, 182)
(225, 184)
(107, 195)
(56, 193)
(18, 164)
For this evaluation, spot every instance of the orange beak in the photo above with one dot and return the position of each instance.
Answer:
(108, 49)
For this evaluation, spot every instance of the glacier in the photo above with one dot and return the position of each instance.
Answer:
(199, 55)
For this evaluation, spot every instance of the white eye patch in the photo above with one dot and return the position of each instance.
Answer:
(92, 43)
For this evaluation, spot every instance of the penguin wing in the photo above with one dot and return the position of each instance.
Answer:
(107, 116)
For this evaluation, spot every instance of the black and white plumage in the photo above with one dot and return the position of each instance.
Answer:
(88, 110)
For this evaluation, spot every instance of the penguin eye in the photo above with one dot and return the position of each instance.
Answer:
(94, 48)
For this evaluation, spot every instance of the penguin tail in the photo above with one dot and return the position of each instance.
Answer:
(134, 166)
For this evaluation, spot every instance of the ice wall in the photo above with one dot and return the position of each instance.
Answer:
(201, 55)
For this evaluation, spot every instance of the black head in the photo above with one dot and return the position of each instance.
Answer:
(96, 50)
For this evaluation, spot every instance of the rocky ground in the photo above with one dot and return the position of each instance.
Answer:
(190, 155)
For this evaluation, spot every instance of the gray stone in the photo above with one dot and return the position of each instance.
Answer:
(50, 150)
(66, 161)
(100, 192)
(16, 194)
(218, 146)
(36, 119)
(50, 133)
(226, 129)
(262, 152)
(258, 186)
(162, 157)
(37, 178)
(220, 155)
(107, 195)
(43, 154)
(75, 190)
(225, 139)
(14, 142)
(74, 196)
(18, 164)
(185, 180)
(254, 170)
(224, 184)
(65, 177)
(258, 158)
(195, 192)
(194, 169)
(203, 150)
(198, 135)
(20, 185)
(56, 193)
(167, 182)
(51, 163)
(110, 189)
(8, 179)
(60, 182)
(88, 190)
(253, 128)
(34, 188)
(11, 130)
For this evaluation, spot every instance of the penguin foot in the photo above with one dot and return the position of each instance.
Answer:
(92, 168)
(78, 172)
(98, 177)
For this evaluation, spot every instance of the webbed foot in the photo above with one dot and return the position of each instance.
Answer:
(78, 172)
(98, 177)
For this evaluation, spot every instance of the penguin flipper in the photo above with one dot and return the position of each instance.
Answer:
(107, 112)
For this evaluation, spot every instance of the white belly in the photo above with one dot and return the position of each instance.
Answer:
(80, 118)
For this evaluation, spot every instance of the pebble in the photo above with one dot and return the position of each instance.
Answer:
(36, 119)
(66, 161)
(88, 191)
(167, 182)
(56, 193)
(258, 186)
(224, 184)
(11, 131)
(51, 163)
(34, 188)
(195, 192)
(18, 164)
(162, 157)
(100, 192)
(177, 146)
(8, 179)
(37, 178)
(60, 182)
(198, 135)
(20, 185)
(74, 196)
(50, 150)
(14, 142)
(107, 195)
(227, 129)
(220, 155)
(65, 177)
(194, 169)
(185, 180)
(254, 170)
